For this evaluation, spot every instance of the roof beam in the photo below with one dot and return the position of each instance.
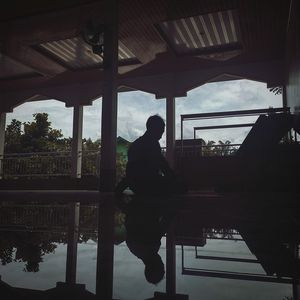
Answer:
(86, 86)
(34, 60)
(180, 80)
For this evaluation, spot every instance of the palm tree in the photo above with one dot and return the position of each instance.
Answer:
(208, 148)
(225, 148)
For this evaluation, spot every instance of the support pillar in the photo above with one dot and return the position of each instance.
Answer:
(105, 250)
(284, 97)
(296, 289)
(296, 281)
(74, 208)
(73, 231)
(170, 130)
(171, 263)
(2, 140)
(77, 141)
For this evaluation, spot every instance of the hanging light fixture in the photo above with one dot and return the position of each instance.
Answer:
(93, 35)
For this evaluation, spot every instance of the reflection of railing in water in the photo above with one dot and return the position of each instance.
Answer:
(47, 164)
(230, 274)
(45, 216)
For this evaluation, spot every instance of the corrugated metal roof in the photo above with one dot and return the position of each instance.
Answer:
(77, 54)
(257, 25)
(202, 32)
(12, 69)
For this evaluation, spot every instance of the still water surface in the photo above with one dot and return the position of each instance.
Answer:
(38, 260)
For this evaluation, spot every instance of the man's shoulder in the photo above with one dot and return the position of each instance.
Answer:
(137, 142)
(144, 144)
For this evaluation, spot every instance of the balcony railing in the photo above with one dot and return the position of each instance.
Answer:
(53, 164)
(207, 150)
(47, 164)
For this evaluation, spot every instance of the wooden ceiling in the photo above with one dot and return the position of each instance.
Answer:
(165, 46)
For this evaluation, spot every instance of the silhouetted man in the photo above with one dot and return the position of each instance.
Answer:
(148, 215)
(147, 171)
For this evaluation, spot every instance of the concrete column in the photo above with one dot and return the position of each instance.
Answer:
(74, 208)
(73, 232)
(296, 281)
(77, 141)
(109, 100)
(170, 130)
(284, 97)
(171, 263)
(105, 251)
(296, 289)
(2, 140)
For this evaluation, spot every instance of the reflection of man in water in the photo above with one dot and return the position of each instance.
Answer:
(145, 228)
(152, 180)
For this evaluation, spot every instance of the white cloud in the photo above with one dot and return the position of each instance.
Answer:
(224, 96)
(60, 116)
(135, 107)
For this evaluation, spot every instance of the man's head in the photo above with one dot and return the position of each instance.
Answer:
(155, 126)
(154, 269)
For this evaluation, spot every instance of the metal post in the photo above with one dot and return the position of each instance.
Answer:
(77, 141)
(171, 263)
(296, 285)
(2, 140)
(170, 130)
(105, 251)
(284, 97)
(296, 289)
(73, 232)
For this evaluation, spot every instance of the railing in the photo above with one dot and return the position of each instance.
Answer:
(207, 150)
(197, 147)
(46, 164)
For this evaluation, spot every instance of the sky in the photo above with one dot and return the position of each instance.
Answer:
(135, 107)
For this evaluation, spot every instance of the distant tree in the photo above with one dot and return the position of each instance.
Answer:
(13, 135)
(211, 148)
(89, 145)
(225, 148)
(6, 249)
(36, 136)
(208, 149)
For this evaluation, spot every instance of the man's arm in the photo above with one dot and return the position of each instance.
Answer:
(165, 167)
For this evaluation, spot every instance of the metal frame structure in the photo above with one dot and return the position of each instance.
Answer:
(230, 275)
(228, 114)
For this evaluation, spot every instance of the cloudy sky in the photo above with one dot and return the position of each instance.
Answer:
(135, 107)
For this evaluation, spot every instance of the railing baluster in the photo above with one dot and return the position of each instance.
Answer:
(44, 164)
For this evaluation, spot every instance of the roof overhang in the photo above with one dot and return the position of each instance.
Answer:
(163, 49)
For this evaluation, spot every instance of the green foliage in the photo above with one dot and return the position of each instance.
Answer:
(36, 136)
(89, 145)
(13, 135)
(120, 166)
(211, 148)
